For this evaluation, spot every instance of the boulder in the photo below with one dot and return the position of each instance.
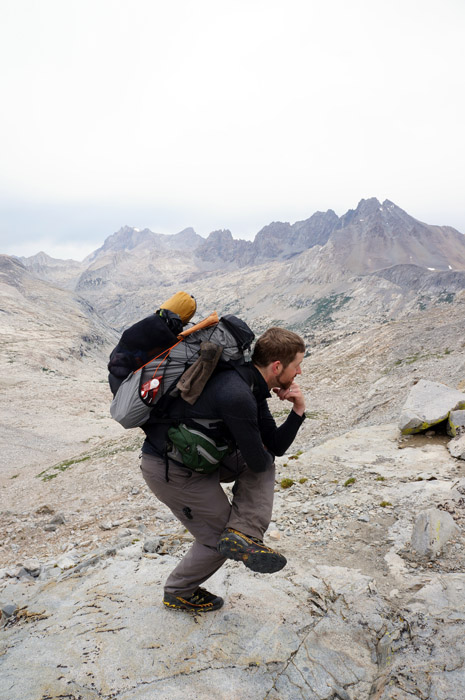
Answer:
(432, 529)
(456, 423)
(33, 567)
(9, 609)
(152, 545)
(457, 447)
(427, 404)
(67, 561)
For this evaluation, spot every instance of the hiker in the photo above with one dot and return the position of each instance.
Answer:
(224, 530)
(147, 338)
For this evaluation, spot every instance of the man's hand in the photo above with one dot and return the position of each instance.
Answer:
(294, 395)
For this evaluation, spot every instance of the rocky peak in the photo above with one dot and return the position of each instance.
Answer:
(40, 258)
(371, 212)
(185, 239)
(60, 272)
(283, 240)
(220, 236)
(272, 239)
(278, 240)
(375, 236)
(127, 238)
(221, 246)
(315, 230)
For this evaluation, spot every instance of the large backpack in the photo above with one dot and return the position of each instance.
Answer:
(151, 387)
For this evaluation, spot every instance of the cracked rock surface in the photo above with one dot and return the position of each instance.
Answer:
(356, 614)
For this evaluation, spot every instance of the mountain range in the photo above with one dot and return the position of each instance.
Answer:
(370, 237)
(376, 254)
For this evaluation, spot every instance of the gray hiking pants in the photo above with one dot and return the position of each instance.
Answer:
(200, 503)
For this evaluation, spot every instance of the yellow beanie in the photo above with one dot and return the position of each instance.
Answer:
(182, 304)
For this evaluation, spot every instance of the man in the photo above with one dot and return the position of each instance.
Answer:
(224, 530)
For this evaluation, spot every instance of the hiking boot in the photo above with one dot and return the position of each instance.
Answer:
(251, 551)
(200, 601)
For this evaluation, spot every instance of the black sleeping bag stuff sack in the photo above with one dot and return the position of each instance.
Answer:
(140, 343)
(134, 402)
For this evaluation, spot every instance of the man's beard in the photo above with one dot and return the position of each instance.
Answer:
(284, 385)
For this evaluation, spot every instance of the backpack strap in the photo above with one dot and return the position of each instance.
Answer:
(246, 372)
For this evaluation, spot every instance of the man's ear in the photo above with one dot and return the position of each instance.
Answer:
(276, 367)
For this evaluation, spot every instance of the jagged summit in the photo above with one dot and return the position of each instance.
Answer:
(187, 238)
(41, 258)
(278, 240)
(372, 211)
(375, 236)
(129, 238)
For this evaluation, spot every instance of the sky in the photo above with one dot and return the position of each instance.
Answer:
(224, 115)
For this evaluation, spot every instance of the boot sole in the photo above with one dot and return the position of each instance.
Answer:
(178, 605)
(255, 559)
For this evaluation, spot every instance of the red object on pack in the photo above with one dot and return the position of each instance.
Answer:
(149, 389)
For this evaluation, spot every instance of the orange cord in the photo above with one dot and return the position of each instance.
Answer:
(165, 353)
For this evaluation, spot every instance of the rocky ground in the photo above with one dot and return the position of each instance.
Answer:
(357, 614)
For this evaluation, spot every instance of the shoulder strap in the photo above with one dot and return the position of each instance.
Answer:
(247, 373)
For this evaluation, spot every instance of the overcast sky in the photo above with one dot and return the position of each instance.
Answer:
(217, 114)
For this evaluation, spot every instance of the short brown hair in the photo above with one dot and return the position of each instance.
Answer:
(277, 344)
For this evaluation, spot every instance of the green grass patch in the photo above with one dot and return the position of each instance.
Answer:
(46, 475)
(384, 504)
(351, 480)
(287, 483)
(446, 298)
(280, 413)
(53, 471)
(411, 359)
(313, 415)
(324, 307)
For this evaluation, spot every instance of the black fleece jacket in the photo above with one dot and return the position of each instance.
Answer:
(237, 397)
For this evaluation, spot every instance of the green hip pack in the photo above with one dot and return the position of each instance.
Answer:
(195, 450)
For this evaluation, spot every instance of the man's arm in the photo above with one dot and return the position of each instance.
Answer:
(278, 440)
(240, 416)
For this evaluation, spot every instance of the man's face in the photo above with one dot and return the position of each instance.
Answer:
(287, 375)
